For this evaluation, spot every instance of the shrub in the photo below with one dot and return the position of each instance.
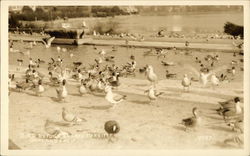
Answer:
(233, 29)
(109, 26)
(70, 34)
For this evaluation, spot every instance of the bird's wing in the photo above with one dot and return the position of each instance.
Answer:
(50, 40)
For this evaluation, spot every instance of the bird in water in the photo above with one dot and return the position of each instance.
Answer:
(111, 127)
(70, 117)
(186, 83)
(112, 97)
(192, 122)
(62, 92)
(170, 75)
(153, 94)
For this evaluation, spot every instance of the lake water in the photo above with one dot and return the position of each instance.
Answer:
(87, 54)
(149, 25)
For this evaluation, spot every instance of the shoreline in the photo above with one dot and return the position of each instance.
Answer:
(103, 41)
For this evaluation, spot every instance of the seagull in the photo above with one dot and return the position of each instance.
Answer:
(186, 83)
(215, 81)
(70, 117)
(62, 92)
(151, 76)
(152, 93)
(39, 89)
(48, 41)
(203, 77)
(112, 97)
(102, 52)
(64, 49)
(54, 131)
(193, 121)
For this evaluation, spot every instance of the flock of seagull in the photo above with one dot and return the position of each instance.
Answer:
(105, 78)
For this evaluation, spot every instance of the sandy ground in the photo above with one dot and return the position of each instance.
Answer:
(143, 126)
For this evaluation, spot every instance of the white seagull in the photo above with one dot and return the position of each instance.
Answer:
(112, 97)
(186, 83)
(203, 77)
(48, 42)
(150, 74)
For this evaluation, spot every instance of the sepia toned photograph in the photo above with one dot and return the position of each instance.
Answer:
(126, 77)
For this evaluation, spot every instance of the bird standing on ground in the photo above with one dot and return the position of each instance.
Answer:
(203, 77)
(70, 117)
(39, 89)
(151, 76)
(152, 93)
(111, 127)
(192, 122)
(62, 92)
(186, 83)
(112, 97)
(215, 81)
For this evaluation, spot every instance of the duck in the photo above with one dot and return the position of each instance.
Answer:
(150, 74)
(62, 92)
(167, 63)
(109, 58)
(53, 80)
(70, 117)
(170, 75)
(142, 70)
(228, 103)
(232, 71)
(82, 89)
(112, 97)
(114, 80)
(232, 112)
(192, 122)
(111, 127)
(23, 85)
(153, 94)
(39, 89)
(39, 61)
(186, 83)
